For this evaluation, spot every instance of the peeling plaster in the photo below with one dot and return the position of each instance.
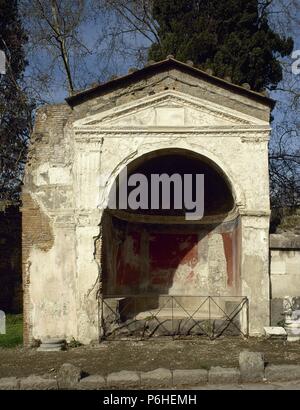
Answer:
(72, 202)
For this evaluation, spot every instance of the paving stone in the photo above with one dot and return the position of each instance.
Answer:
(94, 382)
(68, 376)
(283, 372)
(123, 379)
(188, 377)
(38, 383)
(156, 378)
(221, 375)
(9, 383)
(251, 366)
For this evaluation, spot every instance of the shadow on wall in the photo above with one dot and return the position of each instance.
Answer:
(147, 254)
(10, 260)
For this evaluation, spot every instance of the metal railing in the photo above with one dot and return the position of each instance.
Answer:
(142, 317)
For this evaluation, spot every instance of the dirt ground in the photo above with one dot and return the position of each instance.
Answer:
(144, 356)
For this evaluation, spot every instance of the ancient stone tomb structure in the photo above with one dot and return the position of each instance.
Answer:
(166, 118)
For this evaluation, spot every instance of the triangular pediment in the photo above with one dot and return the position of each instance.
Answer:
(169, 109)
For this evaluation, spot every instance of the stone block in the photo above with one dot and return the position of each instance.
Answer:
(278, 267)
(9, 383)
(252, 366)
(68, 376)
(94, 382)
(275, 332)
(156, 378)
(190, 377)
(2, 323)
(221, 375)
(38, 383)
(123, 379)
(274, 373)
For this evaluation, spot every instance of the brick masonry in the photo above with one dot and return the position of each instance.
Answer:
(36, 231)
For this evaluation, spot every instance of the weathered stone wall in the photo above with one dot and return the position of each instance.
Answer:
(47, 250)
(175, 260)
(10, 260)
(172, 79)
(285, 271)
(74, 158)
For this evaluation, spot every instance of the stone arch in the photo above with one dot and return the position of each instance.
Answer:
(132, 261)
(202, 152)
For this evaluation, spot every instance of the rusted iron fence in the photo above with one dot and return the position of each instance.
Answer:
(142, 317)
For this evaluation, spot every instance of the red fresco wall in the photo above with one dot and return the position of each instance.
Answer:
(167, 252)
(148, 260)
(128, 270)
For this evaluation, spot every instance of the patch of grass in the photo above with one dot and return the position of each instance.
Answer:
(74, 343)
(14, 331)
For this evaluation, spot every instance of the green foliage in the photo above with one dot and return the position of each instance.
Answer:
(14, 332)
(231, 37)
(74, 343)
(15, 110)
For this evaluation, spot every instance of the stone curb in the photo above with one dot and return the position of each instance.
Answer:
(123, 379)
(9, 383)
(38, 383)
(220, 375)
(158, 378)
(94, 382)
(190, 377)
(290, 372)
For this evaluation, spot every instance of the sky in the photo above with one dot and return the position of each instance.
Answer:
(111, 57)
(105, 57)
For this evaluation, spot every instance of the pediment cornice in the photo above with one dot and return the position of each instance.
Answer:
(169, 110)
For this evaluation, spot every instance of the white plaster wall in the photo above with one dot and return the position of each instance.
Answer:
(244, 163)
(64, 281)
(87, 285)
(53, 288)
(255, 271)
